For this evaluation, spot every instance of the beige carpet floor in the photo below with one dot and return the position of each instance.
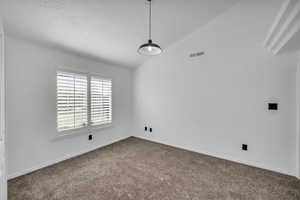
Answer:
(140, 170)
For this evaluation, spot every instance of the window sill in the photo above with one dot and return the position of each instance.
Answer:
(81, 131)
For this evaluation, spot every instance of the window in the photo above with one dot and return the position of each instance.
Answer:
(72, 100)
(82, 101)
(100, 101)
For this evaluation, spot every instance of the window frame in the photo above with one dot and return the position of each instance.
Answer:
(88, 127)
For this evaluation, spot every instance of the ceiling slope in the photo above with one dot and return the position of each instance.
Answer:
(110, 30)
(284, 35)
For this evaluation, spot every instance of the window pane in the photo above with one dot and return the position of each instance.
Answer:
(101, 101)
(71, 101)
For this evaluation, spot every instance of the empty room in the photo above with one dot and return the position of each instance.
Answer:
(150, 99)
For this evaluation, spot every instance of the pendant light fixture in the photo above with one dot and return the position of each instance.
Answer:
(150, 48)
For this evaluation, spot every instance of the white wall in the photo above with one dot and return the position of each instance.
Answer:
(3, 182)
(1, 27)
(214, 103)
(31, 106)
(298, 117)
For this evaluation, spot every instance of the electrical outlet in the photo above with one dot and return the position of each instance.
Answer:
(146, 128)
(273, 106)
(244, 147)
(150, 130)
(90, 137)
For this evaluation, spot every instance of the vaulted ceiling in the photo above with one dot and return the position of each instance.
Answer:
(110, 30)
(284, 34)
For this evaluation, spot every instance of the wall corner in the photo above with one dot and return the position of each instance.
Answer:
(298, 118)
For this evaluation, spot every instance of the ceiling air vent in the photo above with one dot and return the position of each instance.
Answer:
(192, 55)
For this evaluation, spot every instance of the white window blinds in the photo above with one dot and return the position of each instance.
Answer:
(82, 101)
(101, 100)
(72, 101)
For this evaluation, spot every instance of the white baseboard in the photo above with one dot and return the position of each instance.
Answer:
(225, 157)
(65, 157)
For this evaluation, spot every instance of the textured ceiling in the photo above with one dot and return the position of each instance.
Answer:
(110, 30)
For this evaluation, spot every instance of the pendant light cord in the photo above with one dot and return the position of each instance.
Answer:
(150, 15)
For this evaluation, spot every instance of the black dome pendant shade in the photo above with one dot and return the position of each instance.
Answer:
(150, 48)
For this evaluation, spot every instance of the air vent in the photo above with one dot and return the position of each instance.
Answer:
(53, 4)
(192, 55)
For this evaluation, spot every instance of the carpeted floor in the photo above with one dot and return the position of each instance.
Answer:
(142, 170)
